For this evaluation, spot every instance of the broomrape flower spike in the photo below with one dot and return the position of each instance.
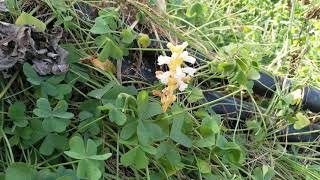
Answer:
(177, 77)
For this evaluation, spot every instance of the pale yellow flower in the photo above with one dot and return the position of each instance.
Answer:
(177, 77)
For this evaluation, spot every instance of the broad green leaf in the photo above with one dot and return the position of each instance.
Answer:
(170, 151)
(46, 174)
(149, 149)
(14, 140)
(127, 36)
(148, 132)
(91, 106)
(116, 90)
(110, 50)
(231, 150)
(128, 130)
(60, 109)
(143, 133)
(49, 89)
(302, 121)
(74, 155)
(141, 159)
(17, 114)
(100, 26)
(77, 145)
(196, 95)
(135, 157)
(208, 141)
(98, 93)
(90, 126)
(88, 169)
(47, 147)
(62, 172)
(61, 106)
(142, 102)
(204, 166)
(83, 115)
(117, 116)
(93, 172)
(253, 74)
(263, 173)
(31, 74)
(27, 19)
(241, 78)
(63, 115)
(91, 148)
(210, 125)
(152, 109)
(43, 109)
(55, 124)
(100, 157)
(82, 169)
(56, 79)
(176, 133)
(37, 132)
(20, 171)
(62, 90)
(128, 158)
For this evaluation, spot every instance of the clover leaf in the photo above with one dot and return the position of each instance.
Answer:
(55, 120)
(17, 114)
(88, 166)
(135, 157)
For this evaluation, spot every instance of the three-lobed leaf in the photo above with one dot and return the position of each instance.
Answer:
(302, 121)
(31, 74)
(135, 157)
(17, 114)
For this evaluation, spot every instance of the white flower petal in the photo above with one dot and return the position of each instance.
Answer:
(182, 86)
(187, 58)
(163, 60)
(190, 59)
(179, 74)
(184, 54)
(163, 77)
(189, 70)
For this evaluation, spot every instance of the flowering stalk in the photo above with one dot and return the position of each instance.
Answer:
(177, 76)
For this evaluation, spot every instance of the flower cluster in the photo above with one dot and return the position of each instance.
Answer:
(177, 76)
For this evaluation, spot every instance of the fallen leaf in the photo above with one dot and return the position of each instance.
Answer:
(107, 65)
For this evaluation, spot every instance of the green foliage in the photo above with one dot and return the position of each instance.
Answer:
(264, 173)
(196, 95)
(17, 114)
(20, 171)
(302, 121)
(56, 119)
(135, 157)
(88, 166)
(27, 19)
(143, 40)
(31, 74)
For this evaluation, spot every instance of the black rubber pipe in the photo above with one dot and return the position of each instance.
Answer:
(266, 86)
(230, 107)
